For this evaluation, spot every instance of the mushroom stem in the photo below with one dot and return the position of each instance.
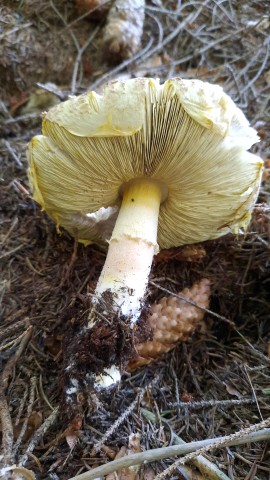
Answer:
(132, 246)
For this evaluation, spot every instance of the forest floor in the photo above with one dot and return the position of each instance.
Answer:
(213, 385)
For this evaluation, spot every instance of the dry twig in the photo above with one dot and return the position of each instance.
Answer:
(123, 416)
(7, 427)
(255, 433)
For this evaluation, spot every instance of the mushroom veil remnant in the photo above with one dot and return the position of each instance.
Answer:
(170, 158)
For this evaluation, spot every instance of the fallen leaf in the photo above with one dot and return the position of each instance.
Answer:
(128, 473)
(232, 390)
(109, 452)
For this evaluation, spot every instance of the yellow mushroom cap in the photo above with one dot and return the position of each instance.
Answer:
(186, 134)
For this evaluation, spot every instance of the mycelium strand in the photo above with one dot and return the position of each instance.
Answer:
(131, 248)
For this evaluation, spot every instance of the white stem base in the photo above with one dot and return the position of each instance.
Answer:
(132, 247)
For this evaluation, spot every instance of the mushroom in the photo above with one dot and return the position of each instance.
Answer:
(171, 157)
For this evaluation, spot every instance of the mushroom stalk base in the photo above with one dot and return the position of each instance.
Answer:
(131, 249)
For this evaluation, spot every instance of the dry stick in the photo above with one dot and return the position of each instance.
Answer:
(74, 38)
(124, 415)
(7, 254)
(21, 118)
(7, 428)
(52, 89)
(174, 13)
(209, 46)
(260, 71)
(38, 435)
(80, 50)
(176, 391)
(12, 361)
(207, 468)
(12, 343)
(146, 52)
(43, 394)
(188, 20)
(13, 225)
(204, 49)
(228, 440)
(252, 348)
(8, 331)
(31, 400)
(245, 69)
(212, 403)
(253, 391)
(79, 59)
(22, 405)
(13, 154)
(15, 29)
(159, 27)
(247, 435)
(228, 15)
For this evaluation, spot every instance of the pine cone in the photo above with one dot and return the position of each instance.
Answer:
(173, 320)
